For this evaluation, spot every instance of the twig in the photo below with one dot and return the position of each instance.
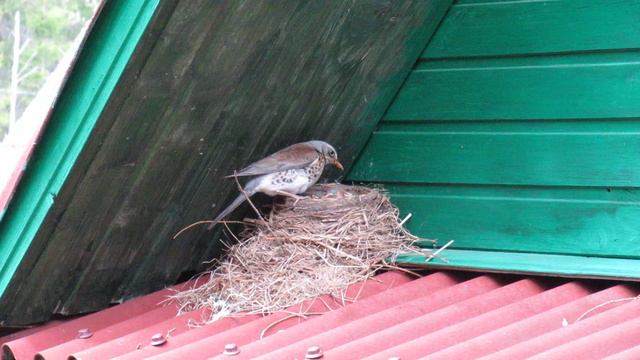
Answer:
(246, 196)
(325, 303)
(406, 218)
(302, 315)
(393, 267)
(230, 232)
(190, 226)
(439, 251)
(206, 222)
(339, 251)
(605, 304)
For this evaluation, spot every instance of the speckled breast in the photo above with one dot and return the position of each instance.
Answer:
(315, 169)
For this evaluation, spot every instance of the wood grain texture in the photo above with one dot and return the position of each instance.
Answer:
(555, 87)
(212, 87)
(506, 158)
(494, 28)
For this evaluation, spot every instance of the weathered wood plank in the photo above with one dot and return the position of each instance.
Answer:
(561, 159)
(220, 84)
(491, 28)
(555, 87)
(576, 221)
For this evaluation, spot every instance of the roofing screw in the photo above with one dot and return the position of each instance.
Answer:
(231, 350)
(84, 334)
(313, 352)
(158, 339)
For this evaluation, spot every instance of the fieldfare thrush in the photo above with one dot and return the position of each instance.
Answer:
(288, 172)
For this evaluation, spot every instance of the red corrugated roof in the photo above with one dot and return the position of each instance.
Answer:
(440, 316)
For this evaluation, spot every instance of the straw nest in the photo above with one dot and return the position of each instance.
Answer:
(320, 244)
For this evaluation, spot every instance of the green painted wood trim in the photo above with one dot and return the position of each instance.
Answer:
(514, 136)
(494, 28)
(100, 63)
(529, 158)
(569, 86)
(551, 220)
(528, 263)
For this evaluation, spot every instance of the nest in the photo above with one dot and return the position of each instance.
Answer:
(320, 244)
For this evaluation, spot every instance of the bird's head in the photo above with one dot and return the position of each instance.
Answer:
(326, 150)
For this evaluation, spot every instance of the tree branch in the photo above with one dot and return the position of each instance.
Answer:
(27, 74)
(28, 62)
(24, 46)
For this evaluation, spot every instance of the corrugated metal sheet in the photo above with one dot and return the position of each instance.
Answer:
(440, 316)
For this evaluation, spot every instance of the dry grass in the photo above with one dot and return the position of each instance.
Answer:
(337, 236)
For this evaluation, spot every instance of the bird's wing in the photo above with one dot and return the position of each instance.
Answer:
(295, 156)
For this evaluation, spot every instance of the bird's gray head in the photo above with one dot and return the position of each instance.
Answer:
(327, 151)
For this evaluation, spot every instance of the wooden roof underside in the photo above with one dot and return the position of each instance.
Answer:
(210, 87)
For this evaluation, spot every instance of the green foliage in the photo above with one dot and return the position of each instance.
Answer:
(50, 26)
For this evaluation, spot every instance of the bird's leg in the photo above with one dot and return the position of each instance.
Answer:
(288, 194)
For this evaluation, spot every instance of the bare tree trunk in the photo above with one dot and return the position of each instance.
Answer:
(13, 92)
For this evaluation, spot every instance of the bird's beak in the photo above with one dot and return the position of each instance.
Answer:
(337, 164)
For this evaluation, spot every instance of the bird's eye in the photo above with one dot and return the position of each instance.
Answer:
(332, 153)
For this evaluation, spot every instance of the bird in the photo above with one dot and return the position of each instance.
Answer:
(289, 172)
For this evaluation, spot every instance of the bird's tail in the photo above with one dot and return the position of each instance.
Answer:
(249, 191)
